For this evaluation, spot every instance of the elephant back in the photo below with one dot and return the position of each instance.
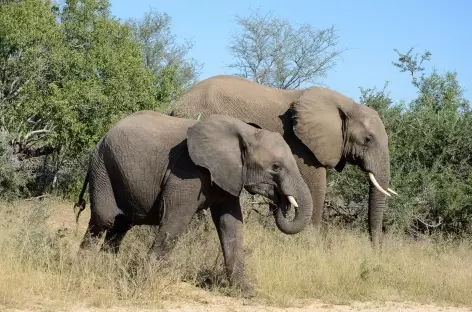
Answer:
(237, 97)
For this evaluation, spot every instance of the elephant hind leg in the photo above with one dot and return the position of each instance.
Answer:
(115, 235)
(104, 210)
(91, 236)
(169, 232)
(112, 222)
(181, 204)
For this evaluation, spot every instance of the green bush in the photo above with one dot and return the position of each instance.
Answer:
(13, 178)
(430, 142)
(69, 73)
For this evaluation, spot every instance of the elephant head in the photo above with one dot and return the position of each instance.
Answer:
(239, 155)
(338, 130)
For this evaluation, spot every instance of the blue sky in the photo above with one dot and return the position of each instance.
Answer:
(369, 29)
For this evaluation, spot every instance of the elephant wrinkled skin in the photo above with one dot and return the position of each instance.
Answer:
(323, 128)
(160, 170)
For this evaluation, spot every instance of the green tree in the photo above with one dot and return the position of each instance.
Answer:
(28, 37)
(164, 55)
(66, 75)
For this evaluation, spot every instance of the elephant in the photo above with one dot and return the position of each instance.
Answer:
(323, 128)
(159, 170)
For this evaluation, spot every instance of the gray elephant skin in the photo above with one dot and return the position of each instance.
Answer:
(160, 170)
(323, 128)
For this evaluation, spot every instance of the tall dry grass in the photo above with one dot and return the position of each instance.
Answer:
(39, 264)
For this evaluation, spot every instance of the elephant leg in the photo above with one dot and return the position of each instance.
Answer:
(167, 235)
(91, 236)
(228, 220)
(115, 235)
(103, 208)
(179, 211)
(315, 178)
(113, 241)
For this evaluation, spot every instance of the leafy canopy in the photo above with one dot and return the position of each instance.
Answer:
(68, 73)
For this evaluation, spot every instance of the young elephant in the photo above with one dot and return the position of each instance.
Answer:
(156, 169)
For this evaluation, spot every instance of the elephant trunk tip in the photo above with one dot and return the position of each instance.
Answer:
(303, 211)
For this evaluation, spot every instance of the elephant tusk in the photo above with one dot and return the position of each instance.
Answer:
(377, 185)
(392, 191)
(292, 201)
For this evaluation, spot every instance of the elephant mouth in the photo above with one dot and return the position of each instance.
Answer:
(274, 194)
(285, 203)
(373, 180)
(288, 220)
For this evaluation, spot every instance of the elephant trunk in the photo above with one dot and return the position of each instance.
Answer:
(377, 202)
(303, 212)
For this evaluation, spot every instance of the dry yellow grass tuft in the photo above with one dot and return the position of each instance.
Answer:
(39, 264)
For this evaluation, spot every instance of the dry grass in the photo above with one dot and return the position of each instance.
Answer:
(38, 265)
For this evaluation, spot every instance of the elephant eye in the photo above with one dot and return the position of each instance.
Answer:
(276, 167)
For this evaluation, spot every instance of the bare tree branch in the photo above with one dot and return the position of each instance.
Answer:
(270, 51)
(29, 134)
(428, 225)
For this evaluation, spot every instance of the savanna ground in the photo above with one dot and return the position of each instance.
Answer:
(333, 270)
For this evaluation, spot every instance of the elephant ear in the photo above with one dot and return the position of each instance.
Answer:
(217, 144)
(319, 122)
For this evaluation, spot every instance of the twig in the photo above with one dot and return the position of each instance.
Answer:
(37, 197)
(35, 132)
(430, 225)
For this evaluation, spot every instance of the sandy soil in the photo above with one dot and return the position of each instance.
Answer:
(208, 302)
(219, 304)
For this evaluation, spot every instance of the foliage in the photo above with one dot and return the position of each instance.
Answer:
(430, 146)
(164, 56)
(68, 73)
(271, 51)
(13, 180)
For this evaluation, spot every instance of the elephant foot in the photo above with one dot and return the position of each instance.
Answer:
(158, 258)
(243, 289)
(154, 257)
(83, 253)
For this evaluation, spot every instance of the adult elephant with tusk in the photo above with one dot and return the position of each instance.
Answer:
(323, 128)
(160, 170)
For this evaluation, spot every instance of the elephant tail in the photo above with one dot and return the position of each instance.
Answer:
(79, 206)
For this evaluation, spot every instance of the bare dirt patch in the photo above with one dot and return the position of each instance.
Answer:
(223, 304)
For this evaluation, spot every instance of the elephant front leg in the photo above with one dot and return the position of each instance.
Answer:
(318, 194)
(315, 178)
(228, 220)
